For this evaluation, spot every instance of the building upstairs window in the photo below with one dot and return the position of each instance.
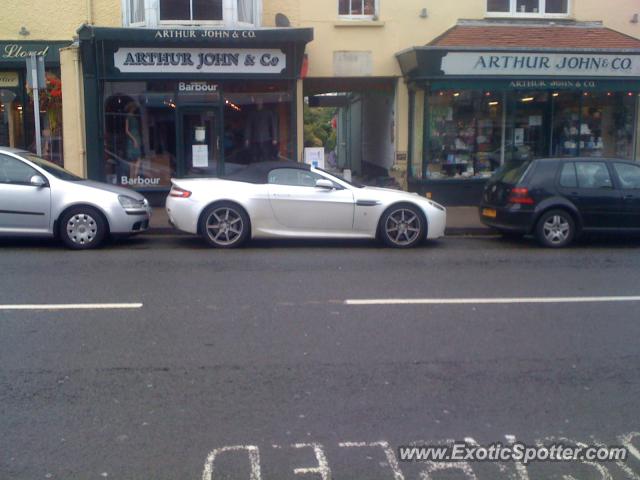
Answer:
(136, 12)
(226, 13)
(358, 9)
(528, 8)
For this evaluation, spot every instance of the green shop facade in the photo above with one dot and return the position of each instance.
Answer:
(163, 103)
(17, 120)
(474, 109)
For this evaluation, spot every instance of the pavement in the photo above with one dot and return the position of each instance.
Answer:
(256, 363)
(460, 221)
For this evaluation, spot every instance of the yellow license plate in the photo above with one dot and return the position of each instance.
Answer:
(489, 212)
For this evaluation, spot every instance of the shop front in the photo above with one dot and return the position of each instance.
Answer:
(475, 109)
(17, 118)
(188, 102)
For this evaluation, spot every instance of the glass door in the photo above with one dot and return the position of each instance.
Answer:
(199, 143)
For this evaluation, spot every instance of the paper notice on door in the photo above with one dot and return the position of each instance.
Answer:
(200, 156)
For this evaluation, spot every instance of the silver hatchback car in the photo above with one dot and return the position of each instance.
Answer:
(39, 198)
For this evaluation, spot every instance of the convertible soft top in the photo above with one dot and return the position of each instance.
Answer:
(259, 172)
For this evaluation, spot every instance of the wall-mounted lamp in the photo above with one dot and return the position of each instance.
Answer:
(24, 32)
(424, 13)
(635, 18)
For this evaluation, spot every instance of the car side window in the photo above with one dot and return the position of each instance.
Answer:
(294, 177)
(629, 175)
(568, 177)
(14, 171)
(593, 175)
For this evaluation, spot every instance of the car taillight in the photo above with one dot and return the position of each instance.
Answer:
(179, 192)
(520, 196)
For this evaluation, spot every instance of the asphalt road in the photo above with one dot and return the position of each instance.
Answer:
(248, 364)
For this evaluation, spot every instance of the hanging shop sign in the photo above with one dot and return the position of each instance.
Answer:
(540, 64)
(200, 60)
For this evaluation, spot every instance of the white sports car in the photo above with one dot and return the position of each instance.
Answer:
(293, 200)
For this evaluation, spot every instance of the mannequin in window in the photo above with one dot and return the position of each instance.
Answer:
(261, 133)
(133, 139)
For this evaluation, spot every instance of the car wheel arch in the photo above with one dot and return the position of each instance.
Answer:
(565, 206)
(423, 216)
(216, 202)
(56, 222)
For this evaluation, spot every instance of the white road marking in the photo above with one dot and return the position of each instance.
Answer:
(251, 450)
(323, 465)
(486, 301)
(73, 306)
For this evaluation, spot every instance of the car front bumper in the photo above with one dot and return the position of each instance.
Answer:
(129, 223)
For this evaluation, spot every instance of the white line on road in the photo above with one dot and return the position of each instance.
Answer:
(486, 301)
(74, 306)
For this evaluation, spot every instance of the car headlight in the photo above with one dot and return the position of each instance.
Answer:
(436, 205)
(130, 203)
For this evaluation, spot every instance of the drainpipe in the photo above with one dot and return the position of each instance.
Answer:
(80, 110)
(89, 12)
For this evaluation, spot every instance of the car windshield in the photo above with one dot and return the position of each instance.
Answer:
(52, 168)
(339, 177)
(511, 173)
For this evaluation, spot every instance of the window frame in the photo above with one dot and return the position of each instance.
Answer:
(375, 16)
(513, 13)
(229, 16)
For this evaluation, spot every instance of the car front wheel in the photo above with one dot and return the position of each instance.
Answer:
(402, 226)
(82, 228)
(556, 229)
(225, 225)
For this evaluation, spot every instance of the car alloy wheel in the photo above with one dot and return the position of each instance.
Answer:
(82, 228)
(402, 227)
(556, 229)
(225, 226)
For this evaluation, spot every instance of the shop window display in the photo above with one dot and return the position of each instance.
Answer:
(466, 128)
(465, 134)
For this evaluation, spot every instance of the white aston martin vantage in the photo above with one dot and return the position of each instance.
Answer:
(293, 200)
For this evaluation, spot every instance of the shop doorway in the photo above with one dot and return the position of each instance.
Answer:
(199, 152)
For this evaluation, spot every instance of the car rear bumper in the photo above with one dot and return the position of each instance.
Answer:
(512, 218)
(183, 214)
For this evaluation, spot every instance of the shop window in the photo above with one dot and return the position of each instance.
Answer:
(257, 123)
(140, 133)
(11, 118)
(358, 8)
(528, 7)
(465, 134)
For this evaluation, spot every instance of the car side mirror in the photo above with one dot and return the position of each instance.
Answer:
(325, 184)
(38, 181)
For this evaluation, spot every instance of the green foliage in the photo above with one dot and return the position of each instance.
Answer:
(317, 127)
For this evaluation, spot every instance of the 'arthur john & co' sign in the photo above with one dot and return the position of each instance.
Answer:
(541, 64)
(199, 60)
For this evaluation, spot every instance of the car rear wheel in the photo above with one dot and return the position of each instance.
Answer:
(556, 229)
(402, 226)
(82, 228)
(225, 225)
